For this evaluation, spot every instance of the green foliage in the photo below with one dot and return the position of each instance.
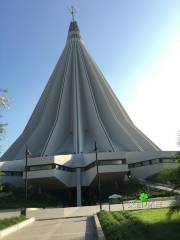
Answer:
(17, 198)
(7, 222)
(174, 208)
(168, 175)
(2, 173)
(121, 225)
(1, 188)
(139, 225)
(133, 188)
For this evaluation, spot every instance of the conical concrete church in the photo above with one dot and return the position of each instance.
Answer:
(77, 109)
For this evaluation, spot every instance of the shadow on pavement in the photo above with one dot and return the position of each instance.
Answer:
(45, 219)
(90, 233)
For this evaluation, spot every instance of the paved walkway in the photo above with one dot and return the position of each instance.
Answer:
(75, 228)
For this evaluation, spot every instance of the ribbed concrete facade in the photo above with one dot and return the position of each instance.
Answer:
(77, 108)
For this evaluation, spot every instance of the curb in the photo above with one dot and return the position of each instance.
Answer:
(99, 231)
(15, 227)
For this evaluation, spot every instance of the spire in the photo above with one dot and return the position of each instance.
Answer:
(72, 11)
(73, 25)
(73, 33)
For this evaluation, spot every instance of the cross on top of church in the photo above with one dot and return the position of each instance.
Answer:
(72, 11)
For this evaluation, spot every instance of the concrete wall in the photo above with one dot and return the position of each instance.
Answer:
(18, 166)
(81, 160)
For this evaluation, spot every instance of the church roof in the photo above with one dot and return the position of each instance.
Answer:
(76, 109)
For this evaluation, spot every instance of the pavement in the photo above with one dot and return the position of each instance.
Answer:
(74, 223)
(56, 223)
(70, 228)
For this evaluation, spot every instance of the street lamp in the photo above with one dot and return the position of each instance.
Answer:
(27, 153)
(98, 176)
(129, 174)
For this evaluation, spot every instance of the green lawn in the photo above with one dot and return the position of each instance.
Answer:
(151, 224)
(7, 222)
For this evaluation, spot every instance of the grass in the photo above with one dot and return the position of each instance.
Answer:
(140, 225)
(7, 222)
(154, 215)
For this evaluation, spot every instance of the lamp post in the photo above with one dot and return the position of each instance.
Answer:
(27, 153)
(98, 176)
(129, 174)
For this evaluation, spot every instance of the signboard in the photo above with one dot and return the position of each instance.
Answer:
(115, 199)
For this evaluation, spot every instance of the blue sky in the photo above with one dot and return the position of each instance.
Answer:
(135, 43)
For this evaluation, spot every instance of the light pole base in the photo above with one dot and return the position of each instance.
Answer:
(23, 212)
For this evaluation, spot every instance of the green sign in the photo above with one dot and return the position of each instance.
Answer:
(143, 197)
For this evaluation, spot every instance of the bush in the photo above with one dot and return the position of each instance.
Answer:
(133, 188)
(120, 226)
(139, 225)
(17, 198)
(168, 175)
(7, 222)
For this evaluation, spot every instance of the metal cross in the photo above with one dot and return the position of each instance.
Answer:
(72, 11)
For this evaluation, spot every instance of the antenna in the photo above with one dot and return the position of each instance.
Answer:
(72, 11)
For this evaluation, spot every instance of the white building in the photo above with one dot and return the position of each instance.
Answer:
(77, 109)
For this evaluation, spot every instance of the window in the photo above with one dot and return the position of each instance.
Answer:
(169, 160)
(110, 162)
(41, 167)
(131, 165)
(138, 164)
(17, 174)
(154, 161)
(65, 168)
(12, 173)
(145, 163)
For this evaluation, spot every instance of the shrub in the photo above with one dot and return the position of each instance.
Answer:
(120, 226)
(168, 175)
(7, 222)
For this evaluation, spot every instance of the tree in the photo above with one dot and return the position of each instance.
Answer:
(175, 206)
(4, 104)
